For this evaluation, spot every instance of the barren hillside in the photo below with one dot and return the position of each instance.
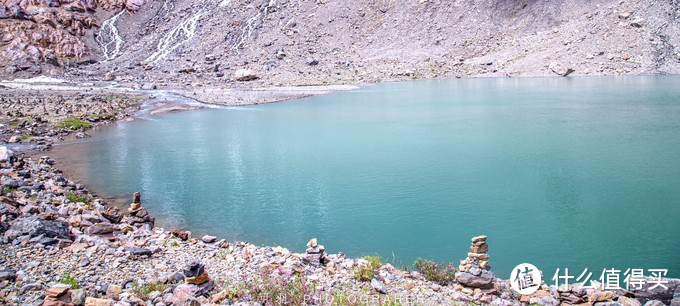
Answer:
(289, 42)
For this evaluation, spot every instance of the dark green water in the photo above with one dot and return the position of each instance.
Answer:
(559, 172)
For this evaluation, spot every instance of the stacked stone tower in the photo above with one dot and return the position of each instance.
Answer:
(474, 271)
(139, 214)
(316, 254)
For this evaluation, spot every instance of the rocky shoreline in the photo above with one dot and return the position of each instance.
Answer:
(62, 245)
(40, 119)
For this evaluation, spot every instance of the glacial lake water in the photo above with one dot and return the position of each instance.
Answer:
(558, 172)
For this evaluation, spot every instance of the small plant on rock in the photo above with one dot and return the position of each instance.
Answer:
(440, 273)
(100, 117)
(230, 293)
(293, 290)
(366, 272)
(73, 124)
(8, 190)
(69, 279)
(142, 291)
(75, 198)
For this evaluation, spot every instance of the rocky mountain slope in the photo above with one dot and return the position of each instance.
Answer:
(50, 34)
(294, 42)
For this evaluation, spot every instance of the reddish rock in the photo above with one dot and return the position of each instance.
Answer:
(50, 32)
(197, 280)
(58, 296)
(57, 291)
(184, 292)
(134, 5)
(90, 301)
(600, 296)
(180, 234)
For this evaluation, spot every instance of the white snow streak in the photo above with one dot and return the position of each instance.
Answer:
(108, 37)
(251, 23)
(178, 36)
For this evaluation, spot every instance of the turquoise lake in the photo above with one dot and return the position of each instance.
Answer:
(558, 172)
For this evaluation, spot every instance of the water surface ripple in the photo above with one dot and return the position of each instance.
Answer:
(559, 172)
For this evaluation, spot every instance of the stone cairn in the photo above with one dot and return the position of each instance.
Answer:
(139, 214)
(474, 271)
(136, 203)
(195, 274)
(316, 254)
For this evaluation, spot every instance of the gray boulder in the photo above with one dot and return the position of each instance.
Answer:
(78, 296)
(560, 69)
(5, 153)
(141, 216)
(483, 280)
(665, 293)
(113, 214)
(637, 22)
(99, 229)
(245, 75)
(174, 277)
(194, 269)
(312, 61)
(138, 251)
(36, 227)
